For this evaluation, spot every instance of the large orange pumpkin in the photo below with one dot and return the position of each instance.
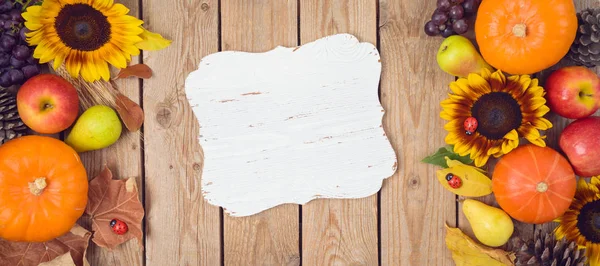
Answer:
(525, 36)
(534, 184)
(43, 189)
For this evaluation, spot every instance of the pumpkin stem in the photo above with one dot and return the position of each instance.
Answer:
(520, 30)
(542, 187)
(37, 186)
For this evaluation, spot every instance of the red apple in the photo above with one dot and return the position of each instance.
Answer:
(580, 141)
(48, 103)
(573, 92)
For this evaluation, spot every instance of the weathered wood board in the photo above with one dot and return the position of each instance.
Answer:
(403, 226)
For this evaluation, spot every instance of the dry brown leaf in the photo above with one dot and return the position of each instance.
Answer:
(130, 112)
(62, 260)
(110, 199)
(466, 252)
(73, 243)
(139, 71)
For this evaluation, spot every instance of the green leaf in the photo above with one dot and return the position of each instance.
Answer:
(439, 157)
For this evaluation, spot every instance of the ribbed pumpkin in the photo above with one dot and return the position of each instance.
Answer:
(525, 36)
(43, 189)
(534, 184)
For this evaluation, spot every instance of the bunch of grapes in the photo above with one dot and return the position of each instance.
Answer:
(17, 64)
(451, 17)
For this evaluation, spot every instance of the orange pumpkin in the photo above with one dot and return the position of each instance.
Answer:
(534, 184)
(43, 189)
(525, 36)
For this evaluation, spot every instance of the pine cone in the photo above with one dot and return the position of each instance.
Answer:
(586, 47)
(11, 125)
(545, 250)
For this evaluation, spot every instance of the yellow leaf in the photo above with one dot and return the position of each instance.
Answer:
(152, 41)
(466, 252)
(474, 181)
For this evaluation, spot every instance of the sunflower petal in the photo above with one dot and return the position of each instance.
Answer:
(73, 64)
(152, 41)
(593, 254)
(485, 73)
(478, 84)
(497, 81)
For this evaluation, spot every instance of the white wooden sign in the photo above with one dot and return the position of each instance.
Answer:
(291, 125)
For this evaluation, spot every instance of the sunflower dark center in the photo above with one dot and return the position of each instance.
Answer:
(588, 221)
(82, 27)
(497, 114)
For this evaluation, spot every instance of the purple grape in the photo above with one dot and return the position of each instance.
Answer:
(7, 42)
(439, 18)
(442, 27)
(21, 52)
(16, 76)
(6, 6)
(15, 15)
(456, 2)
(9, 24)
(30, 71)
(16, 63)
(4, 59)
(456, 12)
(32, 61)
(448, 32)
(460, 26)
(22, 33)
(470, 6)
(431, 29)
(5, 80)
(443, 5)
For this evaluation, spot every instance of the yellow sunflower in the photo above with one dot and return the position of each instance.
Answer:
(504, 109)
(86, 35)
(581, 223)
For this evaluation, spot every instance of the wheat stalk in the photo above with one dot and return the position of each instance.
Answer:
(91, 93)
(95, 93)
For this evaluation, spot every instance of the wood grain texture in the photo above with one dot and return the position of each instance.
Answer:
(339, 232)
(181, 229)
(124, 158)
(414, 206)
(271, 237)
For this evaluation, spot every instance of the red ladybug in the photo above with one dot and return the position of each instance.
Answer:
(470, 125)
(118, 226)
(453, 181)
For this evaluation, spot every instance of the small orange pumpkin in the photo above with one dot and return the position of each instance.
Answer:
(525, 36)
(43, 189)
(534, 184)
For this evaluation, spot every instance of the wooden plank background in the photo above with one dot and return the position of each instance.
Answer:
(401, 225)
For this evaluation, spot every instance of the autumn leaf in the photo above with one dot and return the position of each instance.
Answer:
(74, 244)
(139, 71)
(466, 252)
(62, 260)
(474, 181)
(130, 112)
(152, 41)
(114, 199)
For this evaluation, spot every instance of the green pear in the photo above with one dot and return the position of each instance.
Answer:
(492, 226)
(458, 57)
(97, 128)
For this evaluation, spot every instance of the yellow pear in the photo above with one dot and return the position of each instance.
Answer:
(458, 57)
(97, 128)
(492, 226)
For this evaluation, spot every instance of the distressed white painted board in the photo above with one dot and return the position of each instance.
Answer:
(291, 125)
